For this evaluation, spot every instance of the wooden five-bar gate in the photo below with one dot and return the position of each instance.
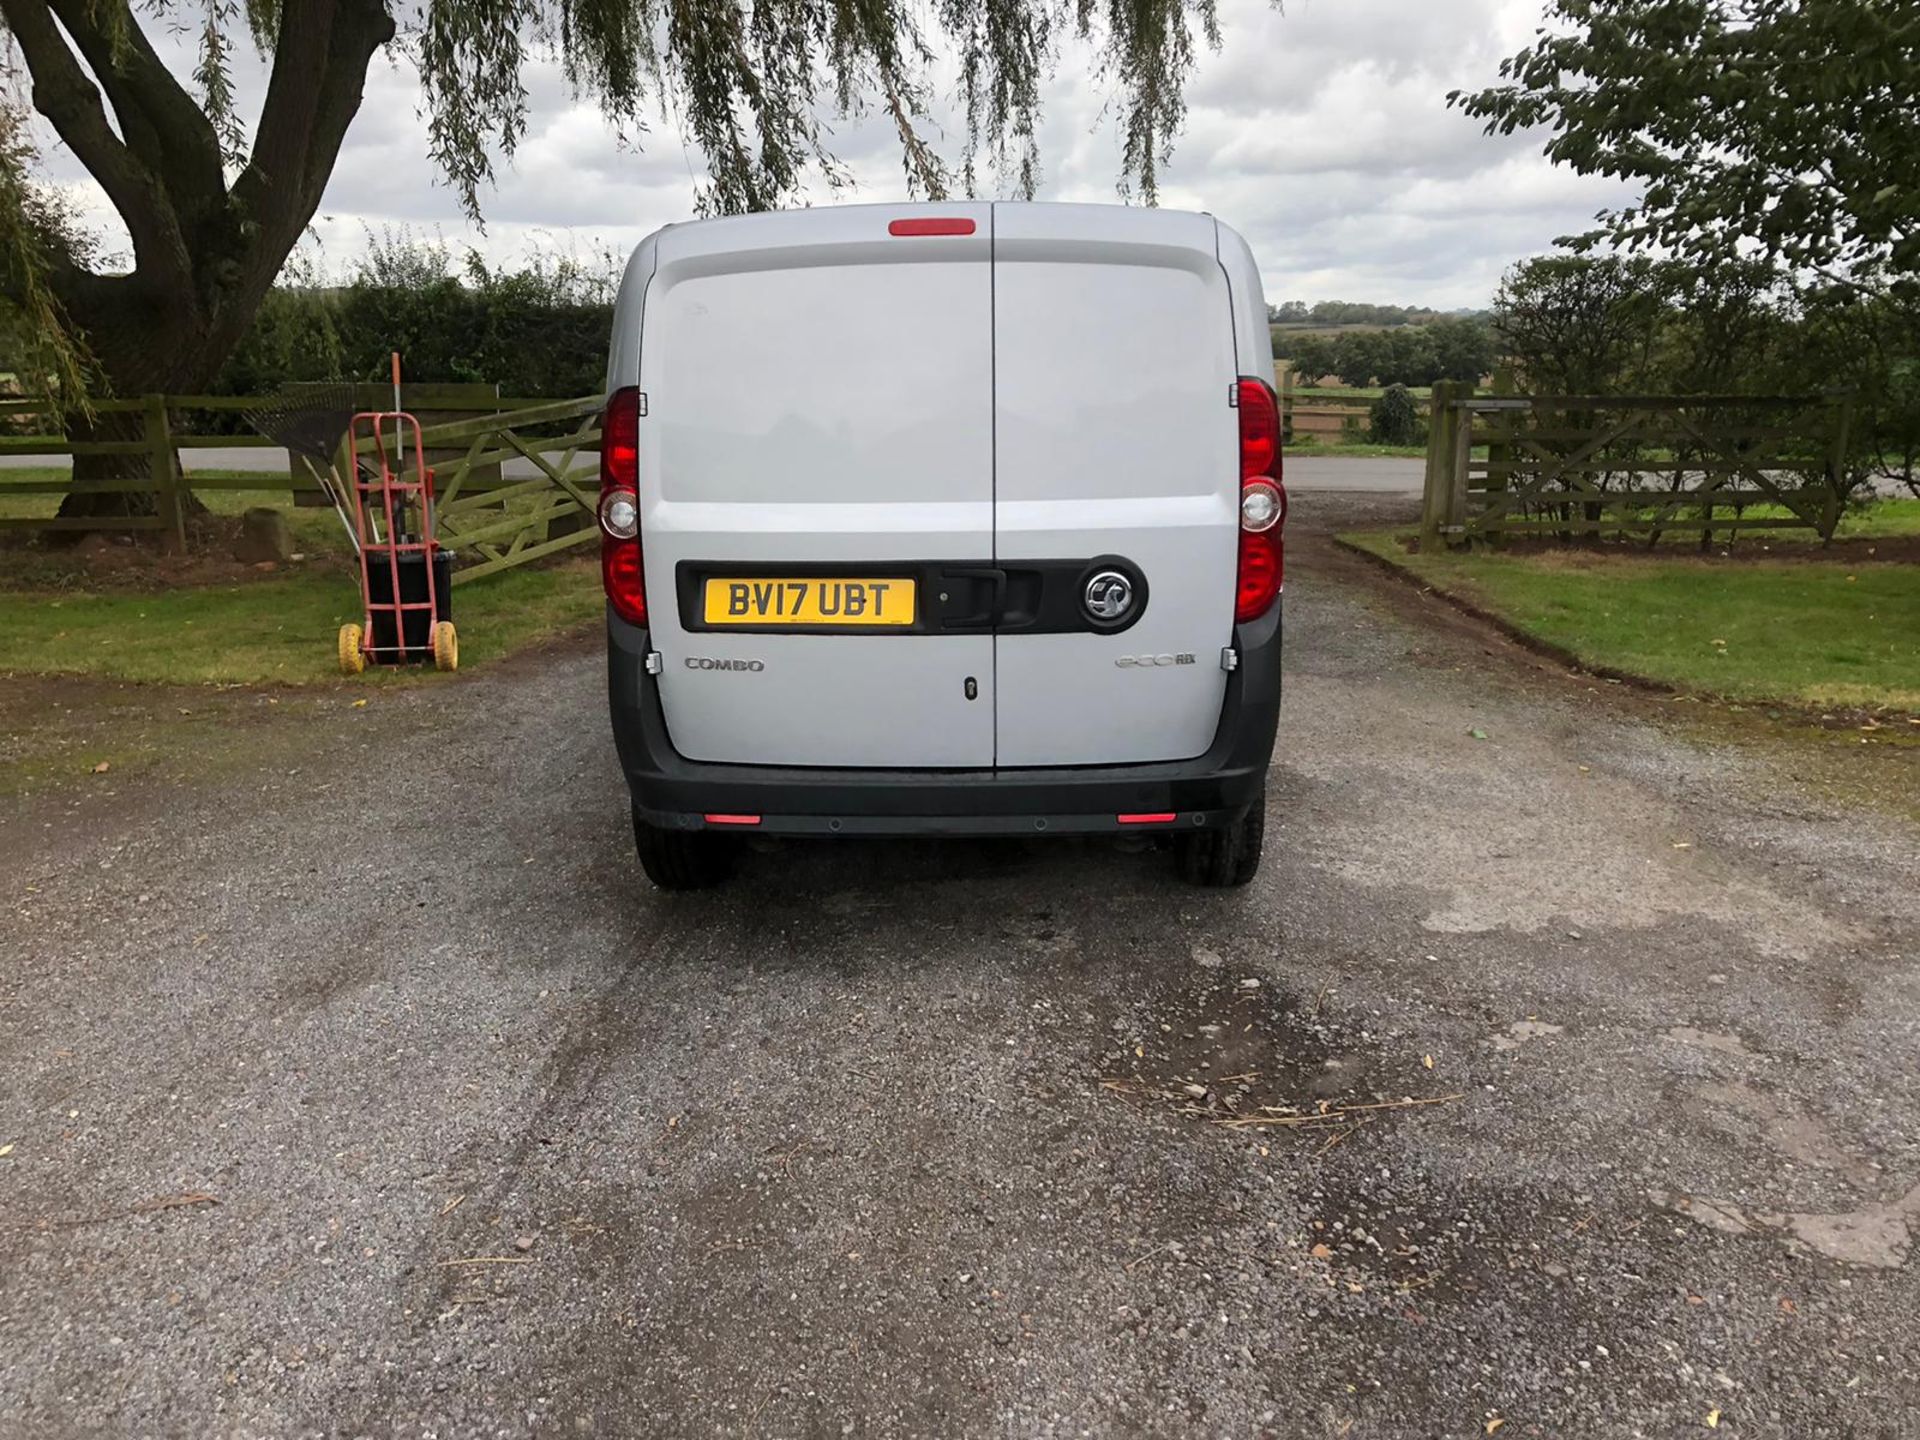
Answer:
(1578, 467)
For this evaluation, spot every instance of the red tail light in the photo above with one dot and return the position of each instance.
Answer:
(1261, 566)
(620, 569)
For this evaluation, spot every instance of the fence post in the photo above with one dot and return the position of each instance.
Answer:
(166, 477)
(1439, 485)
(1838, 446)
(1462, 461)
(1500, 448)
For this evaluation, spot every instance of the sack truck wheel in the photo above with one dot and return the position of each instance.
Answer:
(352, 658)
(446, 646)
(683, 859)
(1225, 859)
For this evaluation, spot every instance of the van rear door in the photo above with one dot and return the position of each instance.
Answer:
(818, 444)
(1114, 437)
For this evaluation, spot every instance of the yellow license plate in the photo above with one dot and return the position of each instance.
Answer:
(839, 600)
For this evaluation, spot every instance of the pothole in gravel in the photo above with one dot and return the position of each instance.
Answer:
(1236, 1052)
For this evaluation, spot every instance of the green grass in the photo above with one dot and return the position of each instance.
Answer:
(270, 631)
(1809, 632)
(1886, 519)
(1883, 520)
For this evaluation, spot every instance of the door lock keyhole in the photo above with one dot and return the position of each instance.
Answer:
(973, 688)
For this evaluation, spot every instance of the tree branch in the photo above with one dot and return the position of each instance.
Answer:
(319, 75)
(162, 123)
(319, 72)
(71, 103)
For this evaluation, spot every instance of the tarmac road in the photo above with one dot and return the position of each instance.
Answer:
(373, 1092)
(1388, 476)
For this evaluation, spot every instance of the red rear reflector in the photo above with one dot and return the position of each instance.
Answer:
(934, 225)
(731, 819)
(1156, 818)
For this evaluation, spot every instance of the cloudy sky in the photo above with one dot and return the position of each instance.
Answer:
(1322, 133)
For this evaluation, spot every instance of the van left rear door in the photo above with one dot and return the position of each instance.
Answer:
(818, 434)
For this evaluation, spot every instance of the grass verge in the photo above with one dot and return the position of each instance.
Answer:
(1308, 445)
(1812, 632)
(271, 631)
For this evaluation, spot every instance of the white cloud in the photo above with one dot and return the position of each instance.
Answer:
(1322, 133)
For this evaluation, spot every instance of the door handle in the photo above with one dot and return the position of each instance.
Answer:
(996, 580)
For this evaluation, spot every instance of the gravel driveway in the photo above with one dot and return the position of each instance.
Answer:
(403, 1106)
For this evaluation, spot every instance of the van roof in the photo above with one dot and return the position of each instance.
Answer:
(1062, 220)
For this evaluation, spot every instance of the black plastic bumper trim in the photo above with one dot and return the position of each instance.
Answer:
(1218, 786)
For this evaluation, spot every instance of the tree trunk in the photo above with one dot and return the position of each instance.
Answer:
(141, 351)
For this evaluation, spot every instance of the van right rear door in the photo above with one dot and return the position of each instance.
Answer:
(1116, 441)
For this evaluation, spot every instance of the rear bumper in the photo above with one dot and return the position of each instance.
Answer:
(1209, 791)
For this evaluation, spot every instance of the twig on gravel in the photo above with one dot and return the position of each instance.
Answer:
(1333, 1140)
(452, 1205)
(1278, 1116)
(491, 1260)
(176, 1202)
(1142, 1259)
(188, 1201)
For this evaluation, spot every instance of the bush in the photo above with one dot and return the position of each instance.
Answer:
(538, 329)
(1393, 419)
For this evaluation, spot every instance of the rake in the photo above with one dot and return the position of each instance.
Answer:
(309, 421)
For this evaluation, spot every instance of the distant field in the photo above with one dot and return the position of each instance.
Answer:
(1367, 392)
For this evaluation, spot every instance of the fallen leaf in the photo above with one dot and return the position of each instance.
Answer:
(1683, 844)
(1495, 1423)
(1321, 1252)
(1713, 1419)
(6, 1149)
(1427, 1060)
(1786, 1305)
(360, 704)
(102, 767)
(1478, 734)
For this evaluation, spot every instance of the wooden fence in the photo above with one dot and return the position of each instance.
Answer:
(154, 436)
(497, 520)
(1581, 466)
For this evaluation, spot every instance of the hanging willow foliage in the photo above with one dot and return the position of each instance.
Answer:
(212, 204)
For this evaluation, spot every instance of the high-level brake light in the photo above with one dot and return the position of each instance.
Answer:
(932, 225)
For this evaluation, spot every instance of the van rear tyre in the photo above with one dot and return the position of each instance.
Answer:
(683, 859)
(1226, 858)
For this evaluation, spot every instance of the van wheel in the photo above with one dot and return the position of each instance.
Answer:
(683, 859)
(1223, 859)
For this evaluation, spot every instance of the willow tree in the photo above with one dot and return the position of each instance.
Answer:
(213, 199)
